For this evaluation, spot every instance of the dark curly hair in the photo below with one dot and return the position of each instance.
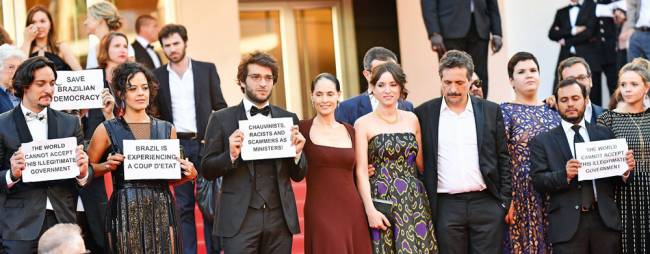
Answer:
(259, 58)
(122, 75)
(25, 73)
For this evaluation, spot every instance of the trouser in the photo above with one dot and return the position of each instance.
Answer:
(262, 231)
(477, 47)
(185, 200)
(471, 222)
(639, 45)
(592, 236)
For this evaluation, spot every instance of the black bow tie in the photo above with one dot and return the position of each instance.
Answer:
(575, 5)
(35, 116)
(264, 111)
(149, 46)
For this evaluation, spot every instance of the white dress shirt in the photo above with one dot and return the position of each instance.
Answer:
(458, 159)
(181, 89)
(152, 54)
(248, 105)
(570, 133)
(589, 112)
(644, 14)
(573, 17)
(38, 130)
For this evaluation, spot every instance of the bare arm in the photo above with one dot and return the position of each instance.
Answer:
(68, 56)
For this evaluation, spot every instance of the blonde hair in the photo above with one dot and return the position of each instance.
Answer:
(108, 12)
(639, 66)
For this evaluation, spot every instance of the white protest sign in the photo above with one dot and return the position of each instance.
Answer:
(78, 90)
(52, 159)
(151, 159)
(600, 159)
(267, 138)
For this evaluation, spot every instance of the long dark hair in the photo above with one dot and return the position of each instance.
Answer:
(51, 35)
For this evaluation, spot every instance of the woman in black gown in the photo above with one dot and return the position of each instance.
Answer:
(40, 40)
(141, 217)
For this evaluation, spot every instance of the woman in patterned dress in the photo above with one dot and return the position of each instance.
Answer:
(525, 118)
(389, 140)
(631, 121)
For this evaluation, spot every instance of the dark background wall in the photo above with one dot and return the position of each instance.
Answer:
(375, 23)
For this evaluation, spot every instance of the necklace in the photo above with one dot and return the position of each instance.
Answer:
(386, 120)
(641, 140)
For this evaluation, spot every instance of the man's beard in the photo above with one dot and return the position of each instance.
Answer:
(179, 59)
(251, 96)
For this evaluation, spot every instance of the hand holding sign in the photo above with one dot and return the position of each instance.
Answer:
(297, 139)
(82, 162)
(108, 100)
(113, 161)
(572, 167)
(189, 171)
(17, 163)
(631, 163)
(235, 141)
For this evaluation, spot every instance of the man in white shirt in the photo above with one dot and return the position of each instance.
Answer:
(189, 92)
(146, 27)
(637, 29)
(31, 208)
(466, 163)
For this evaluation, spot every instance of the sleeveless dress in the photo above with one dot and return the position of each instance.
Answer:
(633, 199)
(393, 156)
(335, 219)
(60, 64)
(141, 216)
(523, 123)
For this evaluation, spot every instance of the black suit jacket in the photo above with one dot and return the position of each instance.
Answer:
(586, 43)
(494, 160)
(23, 205)
(207, 94)
(549, 153)
(451, 18)
(236, 188)
(142, 57)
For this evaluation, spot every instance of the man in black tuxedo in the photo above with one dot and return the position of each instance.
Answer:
(31, 208)
(146, 28)
(583, 217)
(464, 25)
(257, 211)
(575, 29)
(466, 163)
(189, 91)
(353, 108)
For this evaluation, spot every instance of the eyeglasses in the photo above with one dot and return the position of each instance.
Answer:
(258, 77)
(580, 78)
(477, 83)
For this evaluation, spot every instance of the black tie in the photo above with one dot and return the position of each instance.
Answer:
(149, 46)
(264, 111)
(587, 191)
(575, 5)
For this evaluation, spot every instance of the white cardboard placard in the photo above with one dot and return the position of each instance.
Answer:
(149, 159)
(52, 159)
(267, 138)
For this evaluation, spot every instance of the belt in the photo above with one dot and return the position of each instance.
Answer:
(186, 135)
(643, 28)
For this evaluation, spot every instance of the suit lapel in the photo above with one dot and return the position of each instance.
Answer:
(241, 115)
(21, 125)
(52, 127)
(562, 142)
(364, 107)
(165, 93)
(434, 122)
(479, 118)
(196, 76)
